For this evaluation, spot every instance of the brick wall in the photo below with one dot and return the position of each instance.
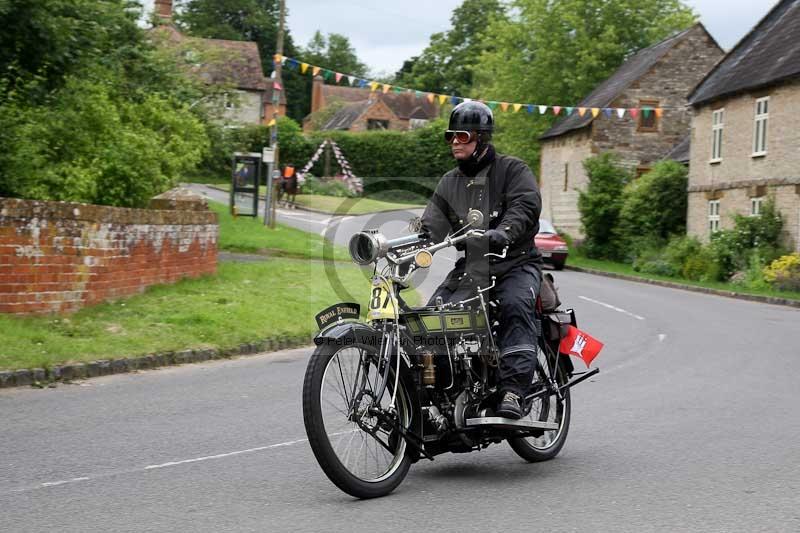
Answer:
(379, 111)
(60, 256)
(562, 164)
(739, 175)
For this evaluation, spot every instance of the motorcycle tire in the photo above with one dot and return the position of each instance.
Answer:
(547, 444)
(328, 449)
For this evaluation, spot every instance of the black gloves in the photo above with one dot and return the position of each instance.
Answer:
(498, 239)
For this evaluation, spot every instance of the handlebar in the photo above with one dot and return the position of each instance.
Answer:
(448, 242)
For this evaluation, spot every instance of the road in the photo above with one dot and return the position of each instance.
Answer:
(693, 424)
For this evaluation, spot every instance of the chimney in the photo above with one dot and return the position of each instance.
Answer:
(163, 10)
(317, 99)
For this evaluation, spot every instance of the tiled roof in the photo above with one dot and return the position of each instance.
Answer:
(235, 62)
(680, 152)
(608, 91)
(768, 54)
(345, 117)
(402, 104)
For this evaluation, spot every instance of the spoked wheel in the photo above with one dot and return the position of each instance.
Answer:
(547, 406)
(357, 445)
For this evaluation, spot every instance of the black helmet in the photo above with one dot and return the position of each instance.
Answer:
(472, 116)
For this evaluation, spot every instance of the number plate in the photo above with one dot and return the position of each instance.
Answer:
(547, 254)
(381, 304)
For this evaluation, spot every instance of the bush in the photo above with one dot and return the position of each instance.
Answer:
(84, 144)
(760, 235)
(654, 206)
(331, 187)
(784, 273)
(654, 261)
(600, 206)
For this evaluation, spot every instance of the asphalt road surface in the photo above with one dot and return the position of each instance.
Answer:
(693, 424)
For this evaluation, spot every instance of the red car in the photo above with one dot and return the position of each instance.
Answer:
(553, 248)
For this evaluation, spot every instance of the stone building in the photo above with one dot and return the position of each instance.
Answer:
(363, 109)
(235, 65)
(745, 138)
(658, 77)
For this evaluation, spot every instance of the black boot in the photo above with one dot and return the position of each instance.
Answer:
(510, 406)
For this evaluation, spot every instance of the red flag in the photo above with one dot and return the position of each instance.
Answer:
(338, 76)
(556, 109)
(634, 112)
(581, 345)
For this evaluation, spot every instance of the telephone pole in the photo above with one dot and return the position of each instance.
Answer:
(277, 88)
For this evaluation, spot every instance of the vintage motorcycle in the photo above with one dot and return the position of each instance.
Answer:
(416, 382)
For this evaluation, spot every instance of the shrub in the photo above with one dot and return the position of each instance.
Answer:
(600, 206)
(654, 261)
(332, 187)
(654, 206)
(761, 235)
(784, 273)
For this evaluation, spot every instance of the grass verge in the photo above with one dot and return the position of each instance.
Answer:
(334, 205)
(622, 268)
(242, 303)
(249, 235)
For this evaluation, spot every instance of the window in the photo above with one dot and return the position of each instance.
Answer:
(755, 206)
(376, 124)
(418, 123)
(717, 125)
(713, 216)
(648, 119)
(566, 176)
(760, 127)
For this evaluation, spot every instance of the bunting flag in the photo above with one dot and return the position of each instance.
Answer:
(354, 184)
(277, 86)
(608, 112)
(271, 123)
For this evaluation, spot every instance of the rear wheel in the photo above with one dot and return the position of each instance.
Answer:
(361, 453)
(547, 406)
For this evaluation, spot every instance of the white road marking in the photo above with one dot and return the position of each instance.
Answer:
(56, 483)
(609, 306)
(171, 463)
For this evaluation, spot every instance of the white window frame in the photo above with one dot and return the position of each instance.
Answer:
(717, 128)
(760, 125)
(756, 205)
(713, 216)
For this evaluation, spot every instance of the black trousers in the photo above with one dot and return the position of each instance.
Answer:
(517, 336)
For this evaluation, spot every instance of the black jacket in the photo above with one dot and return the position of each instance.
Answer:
(509, 200)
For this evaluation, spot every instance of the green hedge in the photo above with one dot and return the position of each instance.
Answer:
(394, 165)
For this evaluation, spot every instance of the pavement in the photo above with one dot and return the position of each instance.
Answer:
(692, 425)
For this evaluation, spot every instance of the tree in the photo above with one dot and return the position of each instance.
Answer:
(555, 53)
(600, 205)
(248, 20)
(333, 52)
(94, 113)
(446, 66)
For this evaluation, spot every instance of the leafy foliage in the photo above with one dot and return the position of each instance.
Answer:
(94, 114)
(654, 206)
(333, 52)
(248, 20)
(600, 205)
(446, 65)
(555, 53)
(784, 273)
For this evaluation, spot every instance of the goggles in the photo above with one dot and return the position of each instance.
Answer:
(463, 137)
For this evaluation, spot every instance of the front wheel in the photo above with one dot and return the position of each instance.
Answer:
(361, 453)
(547, 406)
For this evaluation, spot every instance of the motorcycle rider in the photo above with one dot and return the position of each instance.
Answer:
(504, 189)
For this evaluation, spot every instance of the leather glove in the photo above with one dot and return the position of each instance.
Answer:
(498, 239)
